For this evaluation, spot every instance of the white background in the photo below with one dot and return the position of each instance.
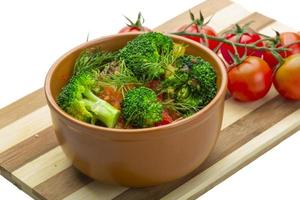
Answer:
(34, 33)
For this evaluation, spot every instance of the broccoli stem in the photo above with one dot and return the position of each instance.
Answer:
(104, 112)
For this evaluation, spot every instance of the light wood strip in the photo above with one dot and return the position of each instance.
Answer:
(232, 13)
(24, 128)
(96, 191)
(237, 159)
(22, 107)
(275, 26)
(43, 167)
(235, 110)
(259, 21)
(28, 150)
(208, 8)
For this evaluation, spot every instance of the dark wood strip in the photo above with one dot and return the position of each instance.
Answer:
(230, 139)
(28, 150)
(22, 107)
(208, 8)
(61, 185)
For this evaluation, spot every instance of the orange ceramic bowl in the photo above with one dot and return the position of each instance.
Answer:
(136, 157)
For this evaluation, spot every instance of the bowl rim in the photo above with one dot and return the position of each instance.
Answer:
(51, 101)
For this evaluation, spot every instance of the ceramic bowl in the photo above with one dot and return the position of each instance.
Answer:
(136, 157)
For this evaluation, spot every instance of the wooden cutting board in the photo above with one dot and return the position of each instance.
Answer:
(31, 158)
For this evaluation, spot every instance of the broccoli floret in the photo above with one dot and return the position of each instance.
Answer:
(192, 84)
(143, 54)
(141, 108)
(202, 77)
(77, 99)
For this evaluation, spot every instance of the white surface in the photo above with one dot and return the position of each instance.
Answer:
(34, 33)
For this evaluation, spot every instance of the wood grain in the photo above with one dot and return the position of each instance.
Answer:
(43, 167)
(259, 21)
(96, 191)
(28, 150)
(208, 8)
(22, 107)
(235, 110)
(62, 184)
(24, 128)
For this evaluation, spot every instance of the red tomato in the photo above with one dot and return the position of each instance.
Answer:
(135, 27)
(205, 29)
(287, 38)
(112, 96)
(154, 84)
(166, 119)
(250, 80)
(287, 78)
(244, 36)
(271, 59)
(127, 29)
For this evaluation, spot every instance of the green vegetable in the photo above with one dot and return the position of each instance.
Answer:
(192, 85)
(143, 55)
(92, 59)
(184, 83)
(123, 79)
(77, 99)
(184, 102)
(203, 77)
(141, 108)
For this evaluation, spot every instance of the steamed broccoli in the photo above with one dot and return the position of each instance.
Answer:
(192, 84)
(202, 77)
(77, 99)
(141, 108)
(143, 54)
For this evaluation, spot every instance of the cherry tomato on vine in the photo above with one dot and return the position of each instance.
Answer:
(271, 59)
(198, 26)
(281, 40)
(250, 80)
(287, 78)
(135, 27)
(242, 35)
(287, 38)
